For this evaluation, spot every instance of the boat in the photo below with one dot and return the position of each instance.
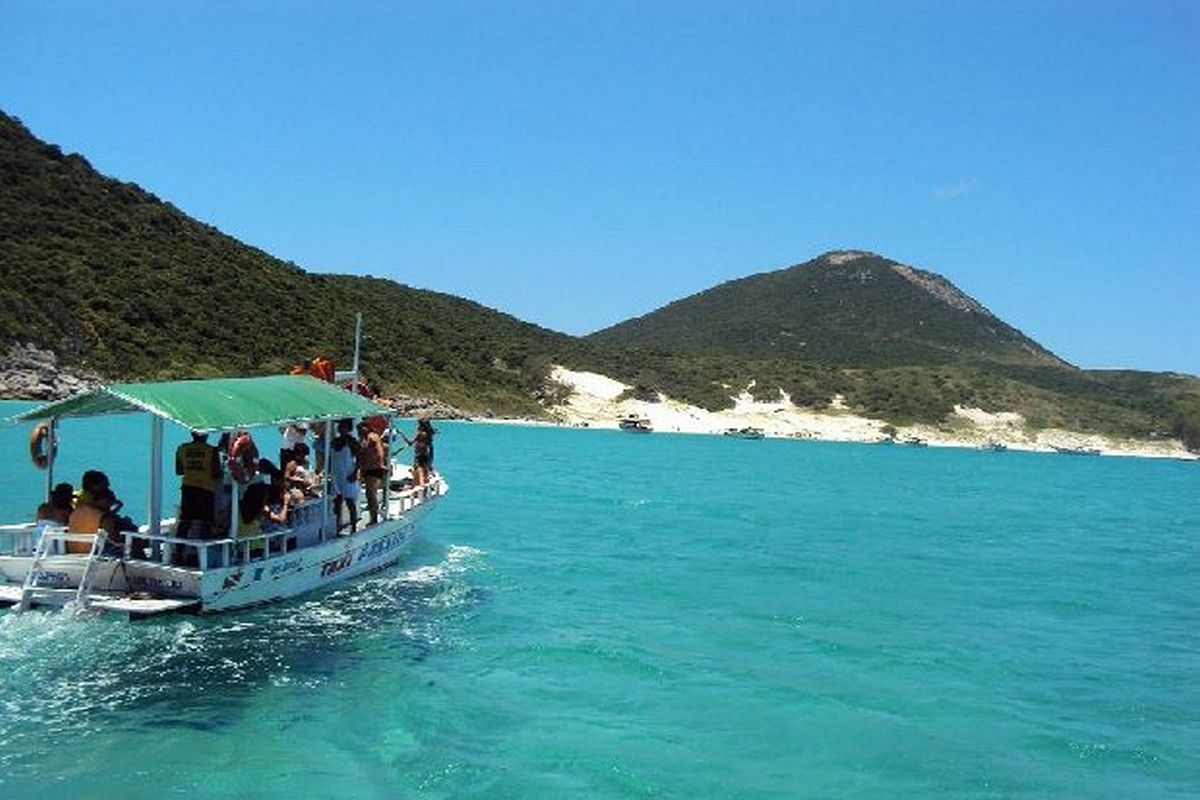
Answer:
(744, 433)
(994, 447)
(635, 423)
(160, 567)
(1077, 451)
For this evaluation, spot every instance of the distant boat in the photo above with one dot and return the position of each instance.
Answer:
(914, 441)
(994, 447)
(1077, 451)
(635, 423)
(744, 433)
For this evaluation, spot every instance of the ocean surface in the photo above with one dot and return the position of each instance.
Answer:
(596, 614)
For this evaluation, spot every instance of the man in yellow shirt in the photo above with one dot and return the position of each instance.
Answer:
(199, 467)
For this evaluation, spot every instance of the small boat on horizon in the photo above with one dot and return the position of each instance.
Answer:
(635, 423)
(744, 433)
(1077, 451)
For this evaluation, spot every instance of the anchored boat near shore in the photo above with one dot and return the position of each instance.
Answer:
(635, 423)
(162, 566)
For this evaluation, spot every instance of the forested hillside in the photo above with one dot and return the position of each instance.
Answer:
(116, 281)
(850, 309)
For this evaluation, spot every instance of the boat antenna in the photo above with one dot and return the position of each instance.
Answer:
(357, 349)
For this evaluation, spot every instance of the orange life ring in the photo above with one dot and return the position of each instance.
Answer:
(40, 446)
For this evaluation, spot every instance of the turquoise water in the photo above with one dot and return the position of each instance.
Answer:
(594, 614)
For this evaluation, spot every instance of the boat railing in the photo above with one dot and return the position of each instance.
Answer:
(205, 554)
(22, 539)
(409, 497)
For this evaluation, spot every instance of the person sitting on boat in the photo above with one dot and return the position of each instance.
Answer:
(99, 512)
(92, 481)
(57, 509)
(301, 482)
(293, 434)
(199, 465)
(252, 511)
(279, 506)
(343, 469)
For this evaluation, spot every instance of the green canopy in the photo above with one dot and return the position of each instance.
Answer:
(217, 405)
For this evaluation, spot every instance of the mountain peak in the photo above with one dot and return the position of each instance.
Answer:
(846, 306)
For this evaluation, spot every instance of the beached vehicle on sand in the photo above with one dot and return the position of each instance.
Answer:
(158, 567)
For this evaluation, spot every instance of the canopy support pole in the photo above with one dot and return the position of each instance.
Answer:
(155, 489)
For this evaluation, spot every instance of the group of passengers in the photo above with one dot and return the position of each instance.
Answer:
(208, 474)
(92, 509)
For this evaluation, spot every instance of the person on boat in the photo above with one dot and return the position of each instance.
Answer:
(279, 506)
(57, 509)
(199, 465)
(293, 434)
(422, 444)
(92, 481)
(372, 461)
(300, 481)
(99, 512)
(344, 453)
(252, 511)
(243, 457)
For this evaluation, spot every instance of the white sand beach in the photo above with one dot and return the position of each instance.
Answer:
(593, 402)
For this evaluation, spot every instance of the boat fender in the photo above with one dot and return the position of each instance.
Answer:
(40, 446)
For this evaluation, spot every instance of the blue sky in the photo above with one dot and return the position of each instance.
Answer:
(577, 164)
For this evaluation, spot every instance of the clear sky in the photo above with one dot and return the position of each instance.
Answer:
(579, 163)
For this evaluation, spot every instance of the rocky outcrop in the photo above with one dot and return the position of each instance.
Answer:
(408, 406)
(34, 374)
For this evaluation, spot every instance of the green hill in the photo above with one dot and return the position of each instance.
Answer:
(845, 308)
(116, 281)
(896, 342)
(119, 282)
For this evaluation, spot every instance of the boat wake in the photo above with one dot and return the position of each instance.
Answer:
(68, 676)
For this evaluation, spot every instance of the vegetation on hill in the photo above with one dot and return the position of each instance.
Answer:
(116, 281)
(845, 308)
(894, 342)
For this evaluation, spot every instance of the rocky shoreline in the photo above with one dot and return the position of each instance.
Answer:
(34, 374)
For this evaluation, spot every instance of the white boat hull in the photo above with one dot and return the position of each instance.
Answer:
(232, 576)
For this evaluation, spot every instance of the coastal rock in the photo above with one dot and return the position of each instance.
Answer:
(417, 407)
(34, 374)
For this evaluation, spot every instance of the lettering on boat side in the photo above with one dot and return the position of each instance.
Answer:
(153, 584)
(336, 565)
(286, 566)
(44, 578)
(380, 546)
